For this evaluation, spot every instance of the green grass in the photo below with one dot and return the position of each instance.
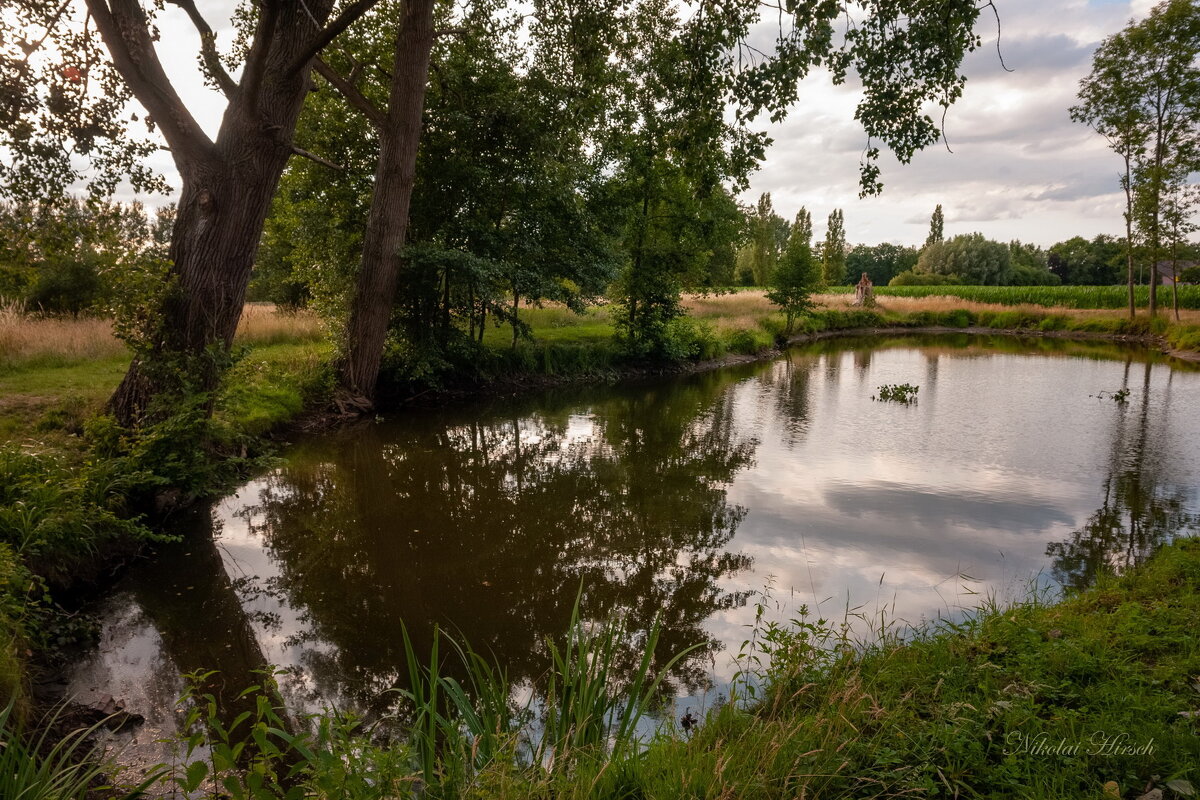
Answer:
(567, 344)
(271, 385)
(557, 325)
(956, 710)
(1063, 296)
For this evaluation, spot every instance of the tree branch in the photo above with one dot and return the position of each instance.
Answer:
(300, 151)
(208, 47)
(350, 92)
(256, 62)
(331, 31)
(126, 33)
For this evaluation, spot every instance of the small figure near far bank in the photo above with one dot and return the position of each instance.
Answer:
(864, 292)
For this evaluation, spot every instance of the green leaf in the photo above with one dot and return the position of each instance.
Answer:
(196, 772)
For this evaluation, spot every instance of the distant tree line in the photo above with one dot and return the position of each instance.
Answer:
(77, 256)
(968, 258)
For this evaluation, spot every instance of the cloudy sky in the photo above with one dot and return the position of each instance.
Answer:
(1019, 167)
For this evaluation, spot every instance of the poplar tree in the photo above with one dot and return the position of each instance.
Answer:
(1143, 96)
(833, 254)
(936, 227)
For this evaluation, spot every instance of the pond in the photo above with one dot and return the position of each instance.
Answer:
(697, 498)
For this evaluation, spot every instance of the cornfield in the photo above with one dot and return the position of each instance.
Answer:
(1061, 296)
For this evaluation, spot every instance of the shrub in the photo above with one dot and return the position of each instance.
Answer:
(687, 339)
(749, 341)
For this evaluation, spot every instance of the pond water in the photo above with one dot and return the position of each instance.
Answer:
(696, 498)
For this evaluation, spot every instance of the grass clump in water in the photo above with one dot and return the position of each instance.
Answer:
(897, 393)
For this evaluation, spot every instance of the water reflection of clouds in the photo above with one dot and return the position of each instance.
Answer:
(926, 507)
(281, 628)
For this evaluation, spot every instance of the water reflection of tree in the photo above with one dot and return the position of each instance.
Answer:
(1139, 512)
(788, 383)
(200, 615)
(491, 525)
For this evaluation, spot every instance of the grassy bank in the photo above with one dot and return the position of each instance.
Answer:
(1032, 700)
(745, 323)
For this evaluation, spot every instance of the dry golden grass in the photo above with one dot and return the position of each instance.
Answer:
(26, 337)
(263, 323)
(34, 338)
(752, 302)
(730, 312)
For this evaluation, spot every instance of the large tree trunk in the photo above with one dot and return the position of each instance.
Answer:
(227, 185)
(1127, 183)
(219, 221)
(387, 222)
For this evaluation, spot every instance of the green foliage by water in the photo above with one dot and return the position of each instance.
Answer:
(39, 767)
(798, 274)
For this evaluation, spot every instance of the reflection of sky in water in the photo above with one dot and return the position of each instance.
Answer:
(923, 508)
(851, 504)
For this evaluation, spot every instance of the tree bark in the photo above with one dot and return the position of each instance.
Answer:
(387, 222)
(1128, 186)
(226, 194)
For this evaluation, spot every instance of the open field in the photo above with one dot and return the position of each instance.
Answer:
(55, 372)
(1064, 296)
(28, 340)
(749, 310)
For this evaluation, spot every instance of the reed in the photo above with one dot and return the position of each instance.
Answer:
(40, 768)
(588, 715)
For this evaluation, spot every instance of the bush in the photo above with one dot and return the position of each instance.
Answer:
(14, 584)
(687, 339)
(1025, 275)
(749, 341)
(56, 516)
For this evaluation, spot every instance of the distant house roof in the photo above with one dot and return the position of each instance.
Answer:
(1166, 270)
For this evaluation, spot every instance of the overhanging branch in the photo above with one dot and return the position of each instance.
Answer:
(330, 32)
(208, 47)
(126, 33)
(350, 92)
(300, 151)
